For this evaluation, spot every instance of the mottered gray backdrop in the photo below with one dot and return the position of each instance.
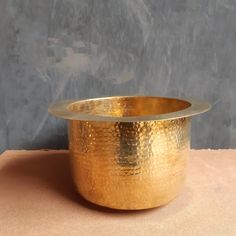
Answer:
(60, 49)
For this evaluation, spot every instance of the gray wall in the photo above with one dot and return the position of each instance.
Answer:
(60, 49)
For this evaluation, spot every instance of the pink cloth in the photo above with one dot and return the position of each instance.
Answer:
(37, 197)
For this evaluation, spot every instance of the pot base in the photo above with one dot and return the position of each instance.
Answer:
(132, 206)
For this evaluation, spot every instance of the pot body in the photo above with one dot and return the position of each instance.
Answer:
(129, 165)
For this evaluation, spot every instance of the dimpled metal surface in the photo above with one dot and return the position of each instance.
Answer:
(129, 165)
(129, 152)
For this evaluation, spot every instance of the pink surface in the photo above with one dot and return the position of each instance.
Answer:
(37, 197)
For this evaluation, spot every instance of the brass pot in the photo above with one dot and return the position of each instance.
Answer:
(129, 152)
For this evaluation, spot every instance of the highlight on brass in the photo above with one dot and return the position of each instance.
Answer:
(129, 152)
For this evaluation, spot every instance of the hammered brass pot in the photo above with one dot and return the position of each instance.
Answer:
(129, 152)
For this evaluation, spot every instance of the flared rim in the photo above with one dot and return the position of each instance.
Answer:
(61, 109)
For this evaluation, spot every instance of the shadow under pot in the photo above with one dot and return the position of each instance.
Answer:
(129, 152)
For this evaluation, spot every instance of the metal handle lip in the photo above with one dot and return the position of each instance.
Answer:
(61, 109)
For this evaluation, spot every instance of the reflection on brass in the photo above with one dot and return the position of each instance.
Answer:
(129, 152)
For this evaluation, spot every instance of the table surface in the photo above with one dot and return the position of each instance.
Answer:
(37, 197)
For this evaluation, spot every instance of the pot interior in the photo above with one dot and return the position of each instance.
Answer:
(128, 106)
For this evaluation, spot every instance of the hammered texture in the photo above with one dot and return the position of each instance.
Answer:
(129, 165)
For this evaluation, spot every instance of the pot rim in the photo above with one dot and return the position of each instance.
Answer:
(61, 109)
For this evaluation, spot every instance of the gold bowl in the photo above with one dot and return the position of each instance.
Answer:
(129, 152)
